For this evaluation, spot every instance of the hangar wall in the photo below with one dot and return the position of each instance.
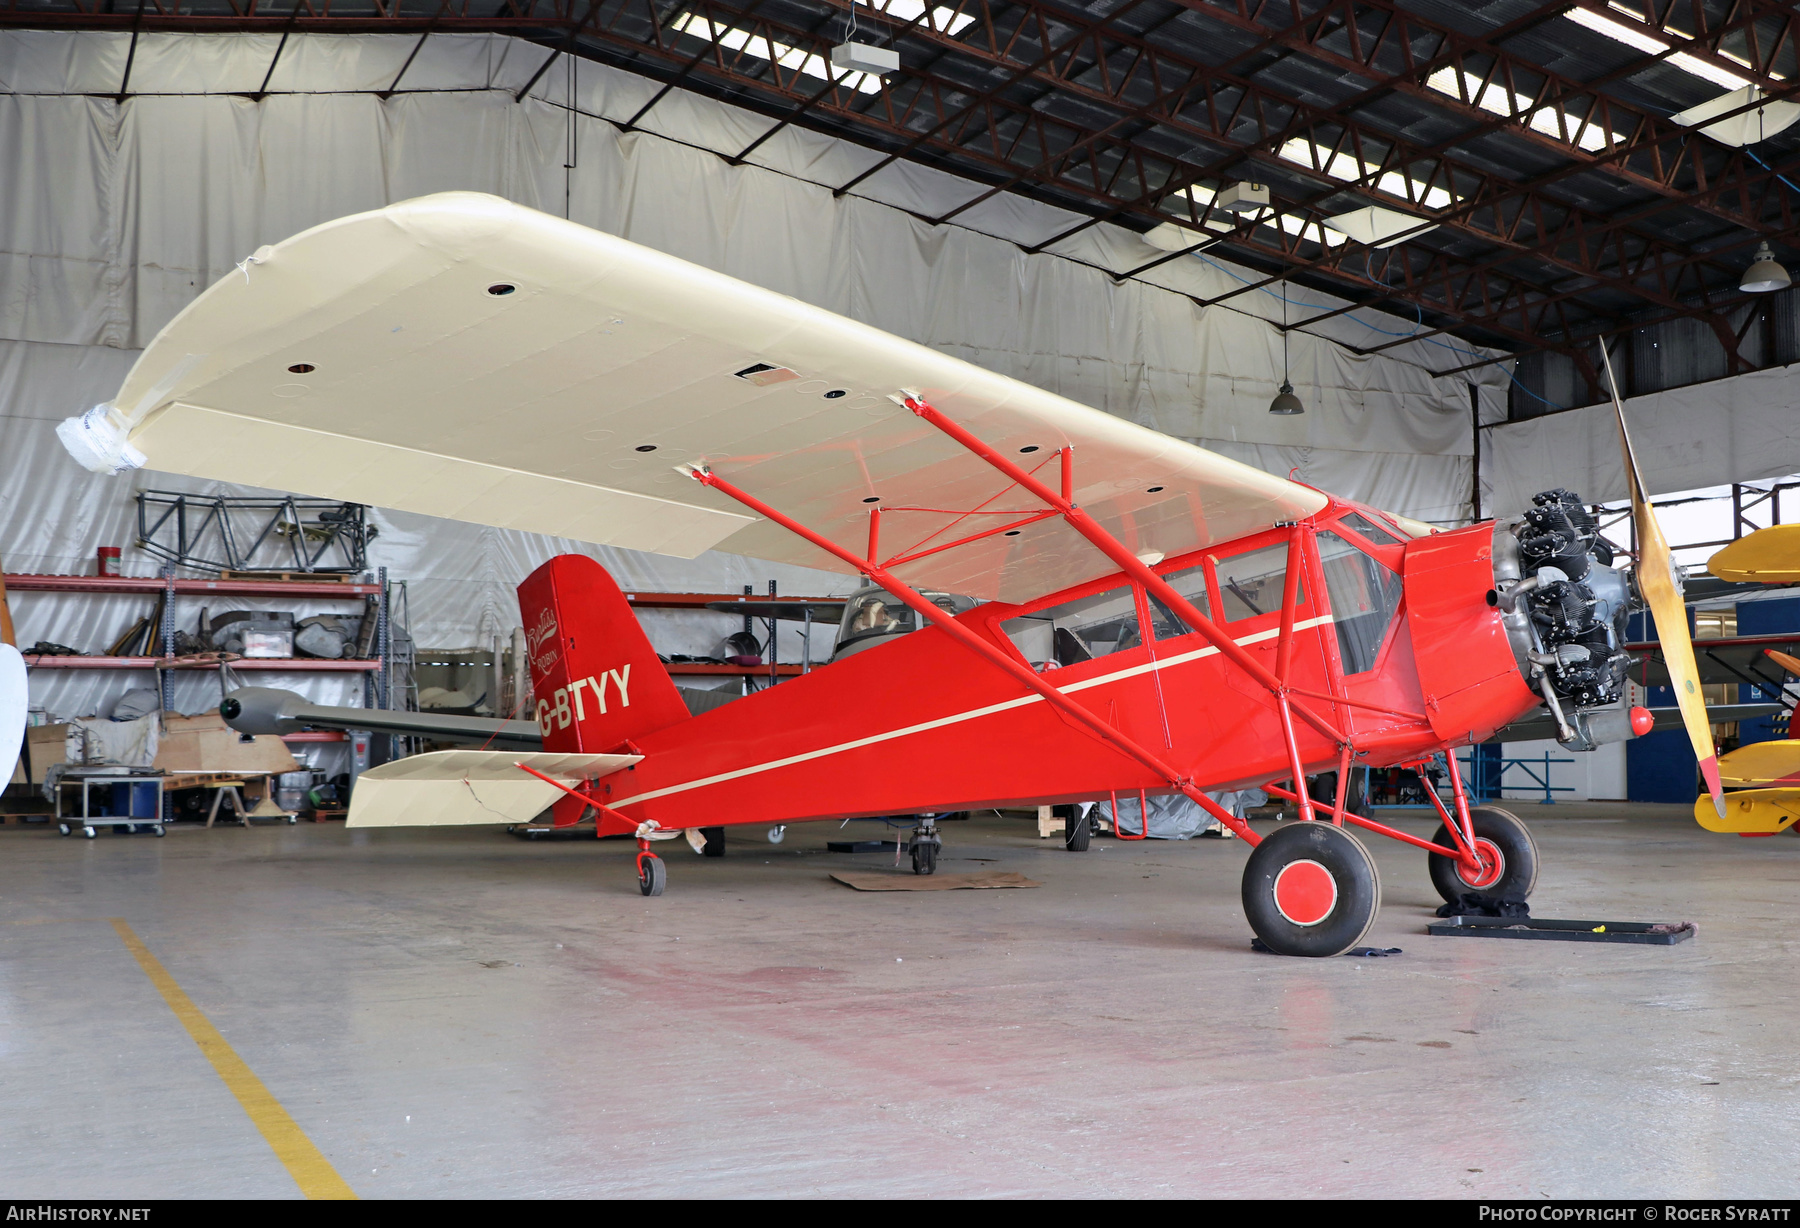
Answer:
(136, 207)
(1733, 430)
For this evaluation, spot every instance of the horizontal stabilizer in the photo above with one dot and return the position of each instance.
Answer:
(1755, 812)
(1762, 763)
(463, 787)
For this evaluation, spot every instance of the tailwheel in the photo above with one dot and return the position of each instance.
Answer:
(1078, 829)
(1311, 889)
(1508, 856)
(924, 856)
(924, 845)
(653, 875)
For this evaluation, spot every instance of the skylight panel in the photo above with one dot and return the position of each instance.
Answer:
(943, 20)
(1496, 99)
(1287, 223)
(1651, 44)
(734, 39)
(1348, 169)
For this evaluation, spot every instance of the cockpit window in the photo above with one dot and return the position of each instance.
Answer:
(874, 616)
(868, 615)
(1365, 596)
(1251, 584)
(1190, 583)
(1096, 626)
(1356, 522)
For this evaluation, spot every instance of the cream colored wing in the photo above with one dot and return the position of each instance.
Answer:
(463, 356)
(458, 787)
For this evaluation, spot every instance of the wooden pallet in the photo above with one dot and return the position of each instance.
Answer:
(312, 577)
(321, 816)
(21, 820)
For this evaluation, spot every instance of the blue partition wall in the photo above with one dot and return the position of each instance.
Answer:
(1765, 618)
(1660, 766)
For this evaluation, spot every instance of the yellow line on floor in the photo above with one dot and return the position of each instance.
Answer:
(309, 1168)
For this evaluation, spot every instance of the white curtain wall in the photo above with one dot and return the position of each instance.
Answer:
(1735, 430)
(114, 216)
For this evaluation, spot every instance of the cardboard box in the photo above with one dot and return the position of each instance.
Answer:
(189, 744)
(206, 743)
(45, 744)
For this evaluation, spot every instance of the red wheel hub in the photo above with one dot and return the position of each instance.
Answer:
(1305, 892)
(1493, 865)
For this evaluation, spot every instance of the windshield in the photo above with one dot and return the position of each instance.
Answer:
(1365, 596)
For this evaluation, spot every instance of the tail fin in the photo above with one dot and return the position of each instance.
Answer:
(598, 681)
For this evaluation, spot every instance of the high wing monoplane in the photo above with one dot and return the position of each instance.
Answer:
(1134, 614)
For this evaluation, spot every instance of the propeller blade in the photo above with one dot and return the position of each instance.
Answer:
(1789, 663)
(1660, 585)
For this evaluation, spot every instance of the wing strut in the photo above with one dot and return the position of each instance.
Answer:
(968, 639)
(1131, 565)
(1062, 503)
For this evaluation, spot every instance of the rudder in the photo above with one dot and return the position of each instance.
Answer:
(597, 679)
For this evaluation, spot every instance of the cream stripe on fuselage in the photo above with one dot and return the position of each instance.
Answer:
(973, 714)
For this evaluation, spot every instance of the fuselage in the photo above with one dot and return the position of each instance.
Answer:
(1392, 640)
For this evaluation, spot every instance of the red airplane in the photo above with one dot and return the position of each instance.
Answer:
(1149, 618)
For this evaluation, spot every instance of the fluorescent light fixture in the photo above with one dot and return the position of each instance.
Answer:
(1379, 227)
(734, 39)
(939, 18)
(1651, 44)
(1743, 129)
(862, 57)
(1203, 197)
(1347, 169)
(1496, 99)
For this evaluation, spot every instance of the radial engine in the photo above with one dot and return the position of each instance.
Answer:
(1565, 606)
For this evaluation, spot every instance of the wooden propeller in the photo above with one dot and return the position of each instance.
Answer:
(1660, 585)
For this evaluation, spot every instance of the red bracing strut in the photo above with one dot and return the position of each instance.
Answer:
(887, 580)
(1128, 562)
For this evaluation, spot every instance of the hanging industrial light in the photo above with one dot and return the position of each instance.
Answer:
(1765, 273)
(1285, 401)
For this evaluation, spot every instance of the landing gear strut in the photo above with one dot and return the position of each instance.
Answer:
(924, 845)
(1505, 849)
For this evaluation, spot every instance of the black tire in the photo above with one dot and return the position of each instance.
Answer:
(653, 875)
(924, 856)
(715, 842)
(1306, 921)
(63, 828)
(1078, 829)
(1498, 831)
(1323, 789)
(161, 830)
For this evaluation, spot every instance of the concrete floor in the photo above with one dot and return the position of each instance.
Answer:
(465, 1014)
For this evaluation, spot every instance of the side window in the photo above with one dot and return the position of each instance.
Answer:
(1190, 583)
(1251, 584)
(1365, 596)
(1096, 626)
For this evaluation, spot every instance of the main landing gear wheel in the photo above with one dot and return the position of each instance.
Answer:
(1508, 854)
(1311, 889)
(1078, 828)
(653, 875)
(715, 842)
